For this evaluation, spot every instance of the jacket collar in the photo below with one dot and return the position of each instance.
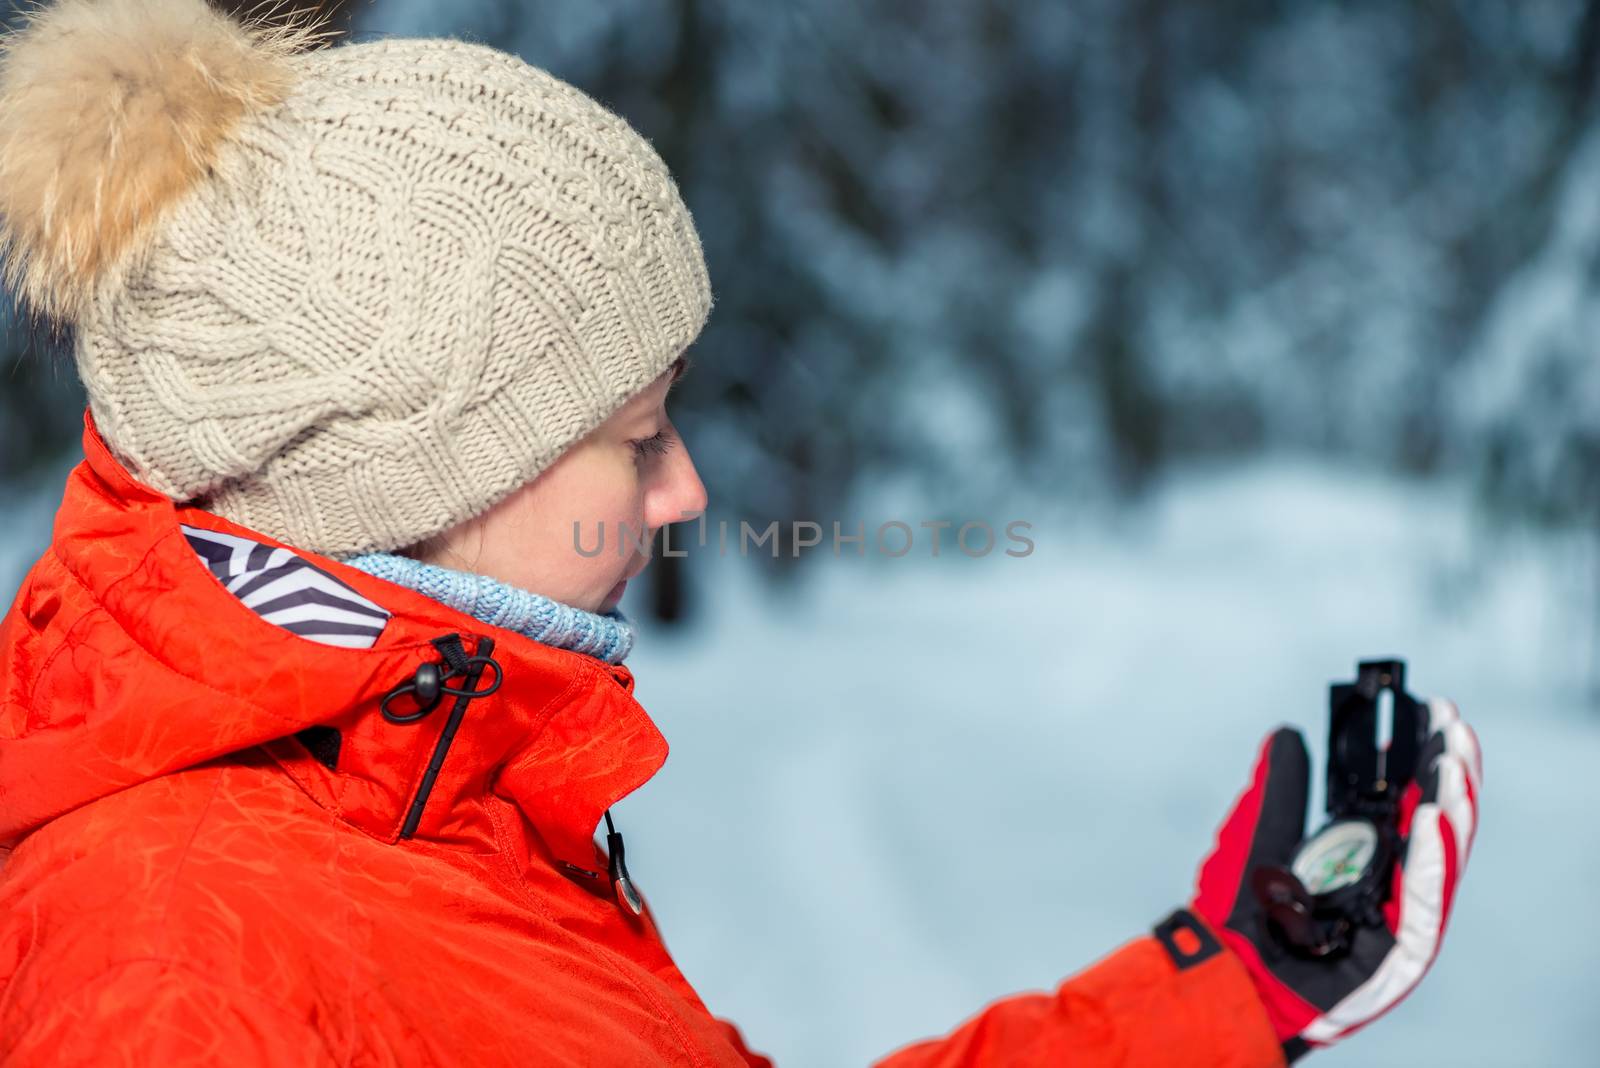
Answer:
(561, 740)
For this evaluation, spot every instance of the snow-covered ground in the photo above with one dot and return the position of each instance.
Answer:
(922, 784)
(917, 785)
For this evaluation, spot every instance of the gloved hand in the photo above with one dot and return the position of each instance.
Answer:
(1315, 1002)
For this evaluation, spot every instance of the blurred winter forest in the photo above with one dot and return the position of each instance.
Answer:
(1287, 307)
(1070, 244)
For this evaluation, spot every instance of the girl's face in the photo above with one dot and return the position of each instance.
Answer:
(628, 478)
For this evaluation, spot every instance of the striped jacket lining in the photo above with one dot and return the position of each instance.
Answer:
(289, 592)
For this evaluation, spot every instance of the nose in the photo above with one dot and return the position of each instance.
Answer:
(682, 495)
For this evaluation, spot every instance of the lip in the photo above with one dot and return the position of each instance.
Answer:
(617, 591)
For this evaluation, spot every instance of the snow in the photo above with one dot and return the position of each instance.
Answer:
(917, 785)
(914, 785)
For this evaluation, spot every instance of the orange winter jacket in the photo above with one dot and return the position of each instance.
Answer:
(189, 881)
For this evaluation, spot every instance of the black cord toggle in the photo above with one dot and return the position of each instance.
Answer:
(456, 663)
(427, 687)
(627, 893)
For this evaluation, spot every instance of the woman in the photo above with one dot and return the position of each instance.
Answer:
(310, 713)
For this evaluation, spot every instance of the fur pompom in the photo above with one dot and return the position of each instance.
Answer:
(110, 110)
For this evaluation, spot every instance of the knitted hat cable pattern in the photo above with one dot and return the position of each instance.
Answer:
(346, 296)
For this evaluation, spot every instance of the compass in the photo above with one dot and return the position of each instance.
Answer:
(1338, 879)
(1338, 857)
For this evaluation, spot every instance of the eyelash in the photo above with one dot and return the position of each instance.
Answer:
(655, 445)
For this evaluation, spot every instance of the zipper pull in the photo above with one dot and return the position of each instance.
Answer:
(627, 895)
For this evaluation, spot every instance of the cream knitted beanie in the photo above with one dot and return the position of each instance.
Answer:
(346, 296)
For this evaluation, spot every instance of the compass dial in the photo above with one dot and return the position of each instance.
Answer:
(1337, 856)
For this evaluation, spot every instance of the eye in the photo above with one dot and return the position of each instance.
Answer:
(656, 444)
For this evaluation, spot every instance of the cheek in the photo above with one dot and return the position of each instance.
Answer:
(605, 493)
(617, 507)
(623, 500)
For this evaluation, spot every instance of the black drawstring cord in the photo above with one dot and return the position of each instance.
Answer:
(627, 895)
(428, 688)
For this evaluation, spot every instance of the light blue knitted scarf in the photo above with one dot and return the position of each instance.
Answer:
(607, 637)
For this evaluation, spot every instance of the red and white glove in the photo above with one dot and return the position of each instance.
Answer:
(1313, 1003)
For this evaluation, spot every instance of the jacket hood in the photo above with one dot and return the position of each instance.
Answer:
(124, 659)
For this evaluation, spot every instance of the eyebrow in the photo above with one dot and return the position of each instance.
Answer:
(680, 367)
